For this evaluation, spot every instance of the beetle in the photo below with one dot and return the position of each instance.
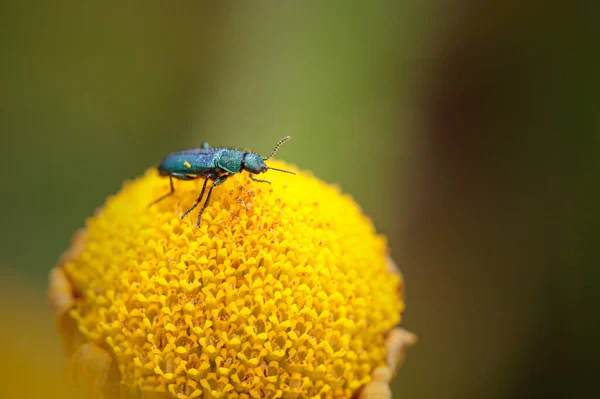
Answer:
(212, 163)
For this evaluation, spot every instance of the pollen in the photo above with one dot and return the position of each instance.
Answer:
(187, 164)
(283, 292)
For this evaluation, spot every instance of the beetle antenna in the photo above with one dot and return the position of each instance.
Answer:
(282, 170)
(283, 140)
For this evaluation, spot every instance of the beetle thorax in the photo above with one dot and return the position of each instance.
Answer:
(230, 160)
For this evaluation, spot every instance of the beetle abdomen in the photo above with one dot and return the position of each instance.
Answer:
(198, 162)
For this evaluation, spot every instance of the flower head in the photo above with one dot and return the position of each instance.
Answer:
(284, 290)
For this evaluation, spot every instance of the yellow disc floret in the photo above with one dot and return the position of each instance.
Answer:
(282, 292)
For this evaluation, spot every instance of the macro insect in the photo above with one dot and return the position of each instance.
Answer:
(212, 163)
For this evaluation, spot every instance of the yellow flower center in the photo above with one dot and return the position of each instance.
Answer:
(282, 292)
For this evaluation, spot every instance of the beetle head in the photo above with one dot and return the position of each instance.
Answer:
(253, 163)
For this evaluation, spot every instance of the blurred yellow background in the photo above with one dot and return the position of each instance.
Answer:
(468, 134)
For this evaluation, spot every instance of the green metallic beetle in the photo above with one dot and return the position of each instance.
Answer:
(215, 164)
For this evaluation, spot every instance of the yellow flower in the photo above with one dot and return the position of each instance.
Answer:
(284, 291)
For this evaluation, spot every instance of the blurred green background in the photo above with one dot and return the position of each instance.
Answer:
(467, 132)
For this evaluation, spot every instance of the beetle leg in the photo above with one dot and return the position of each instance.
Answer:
(259, 180)
(220, 180)
(177, 176)
(197, 200)
(166, 195)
